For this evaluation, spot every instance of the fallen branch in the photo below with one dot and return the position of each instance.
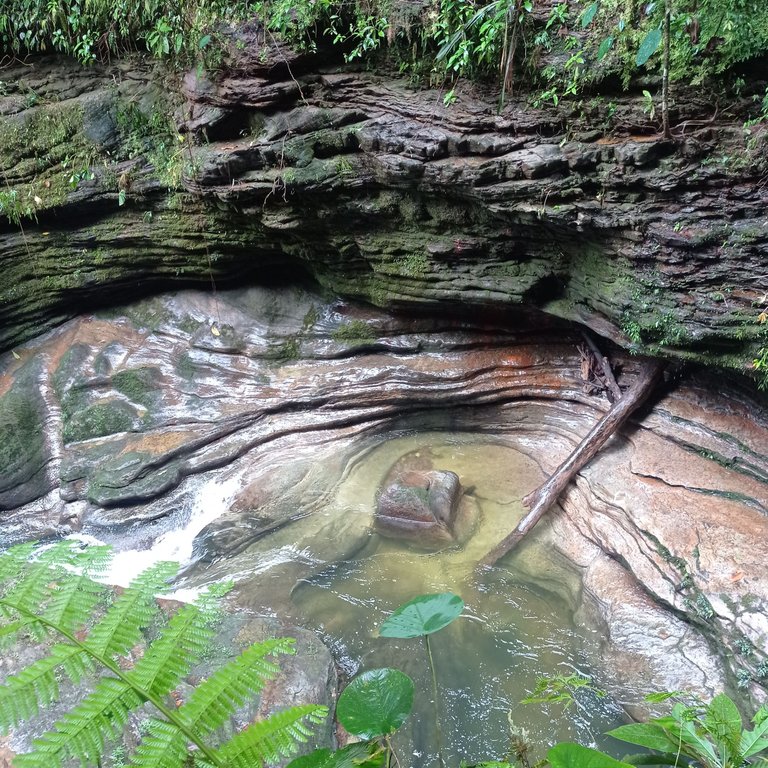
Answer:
(607, 376)
(544, 497)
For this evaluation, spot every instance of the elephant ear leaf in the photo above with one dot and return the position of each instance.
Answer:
(423, 615)
(569, 755)
(375, 703)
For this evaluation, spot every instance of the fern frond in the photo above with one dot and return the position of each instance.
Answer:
(163, 746)
(12, 628)
(74, 597)
(267, 741)
(36, 686)
(35, 582)
(215, 700)
(38, 580)
(13, 563)
(120, 629)
(172, 654)
(51, 589)
(83, 732)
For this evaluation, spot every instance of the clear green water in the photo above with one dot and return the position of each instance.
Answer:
(518, 624)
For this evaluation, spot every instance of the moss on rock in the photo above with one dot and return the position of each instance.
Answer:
(103, 418)
(23, 453)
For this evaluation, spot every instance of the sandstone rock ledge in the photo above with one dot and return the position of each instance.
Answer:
(299, 164)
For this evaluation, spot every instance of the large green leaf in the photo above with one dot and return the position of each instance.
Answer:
(423, 615)
(756, 740)
(647, 735)
(589, 14)
(648, 47)
(569, 755)
(360, 755)
(698, 746)
(375, 703)
(723, 722)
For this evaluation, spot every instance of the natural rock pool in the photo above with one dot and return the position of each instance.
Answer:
(246, 434)
(519, 623)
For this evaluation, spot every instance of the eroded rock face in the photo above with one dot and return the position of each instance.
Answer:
(382, 193)
(276, 394)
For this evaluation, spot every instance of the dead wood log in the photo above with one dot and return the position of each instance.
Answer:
(540, 500)
(605, 367)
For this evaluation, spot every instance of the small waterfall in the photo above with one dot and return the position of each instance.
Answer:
(208, 501)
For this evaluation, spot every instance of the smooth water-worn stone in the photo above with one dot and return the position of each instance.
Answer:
(427, 508)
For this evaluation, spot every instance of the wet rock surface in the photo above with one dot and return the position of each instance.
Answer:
(278, 394)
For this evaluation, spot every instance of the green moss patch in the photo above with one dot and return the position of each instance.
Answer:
(103, 418)
(43, 158)
(21, 437)
(353, 332)
(139, 385)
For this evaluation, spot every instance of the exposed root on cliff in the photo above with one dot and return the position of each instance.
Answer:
(540, 500)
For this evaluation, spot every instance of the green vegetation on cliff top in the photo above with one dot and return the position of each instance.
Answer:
(558, 46)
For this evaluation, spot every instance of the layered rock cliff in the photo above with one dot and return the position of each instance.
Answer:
(291, 163)
(292, 168)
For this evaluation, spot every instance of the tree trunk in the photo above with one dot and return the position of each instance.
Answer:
(665, 70)
(544, 497)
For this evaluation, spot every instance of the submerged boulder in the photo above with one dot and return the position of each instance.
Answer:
(426, 508)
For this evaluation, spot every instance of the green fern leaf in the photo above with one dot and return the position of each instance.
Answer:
(12, 628)
(83, 732)
(216, 699)
(54, 592)
(171, 656)
(267, 741)
(36, 581)
(14, 566)
(42, 585)
(36, 686)
(74, 598)
(14, 562)
(120, 629)
(163, 746)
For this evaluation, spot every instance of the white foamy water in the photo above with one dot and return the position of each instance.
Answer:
(210, 501)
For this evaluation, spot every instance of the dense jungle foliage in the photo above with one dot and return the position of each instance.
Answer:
(560, 47)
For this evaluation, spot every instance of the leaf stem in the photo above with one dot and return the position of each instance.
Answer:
(107, 662)
(437, 708)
